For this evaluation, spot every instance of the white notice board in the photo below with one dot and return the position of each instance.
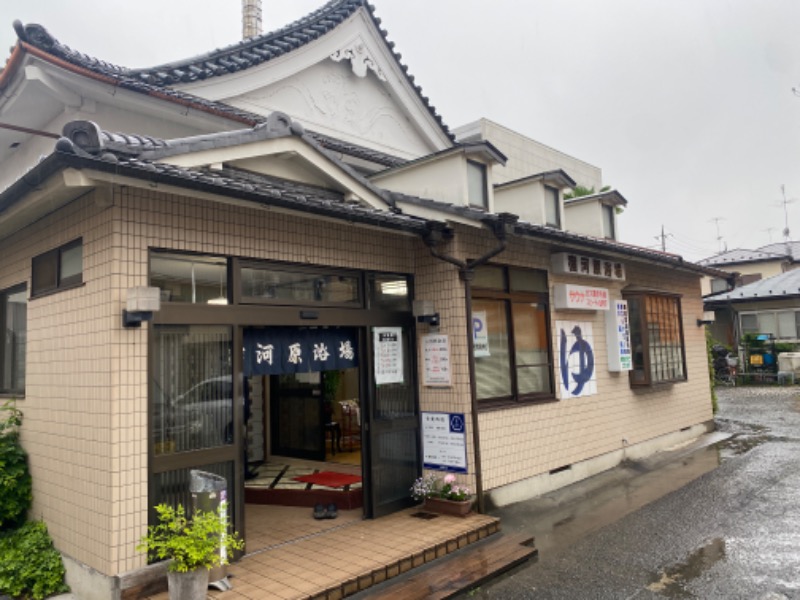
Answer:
(444, 441)
(436, 359)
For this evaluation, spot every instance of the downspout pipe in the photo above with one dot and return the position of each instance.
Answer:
(500, 227)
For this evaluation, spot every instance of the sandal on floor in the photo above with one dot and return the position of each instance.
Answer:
(320, 512)
(332, 513)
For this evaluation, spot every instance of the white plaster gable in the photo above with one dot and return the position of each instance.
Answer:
(288, 158)
(329, 98)
(346, 84)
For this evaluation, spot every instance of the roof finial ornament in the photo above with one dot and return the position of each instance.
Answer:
(360, 59)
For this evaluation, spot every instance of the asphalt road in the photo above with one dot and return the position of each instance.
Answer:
(720, 521)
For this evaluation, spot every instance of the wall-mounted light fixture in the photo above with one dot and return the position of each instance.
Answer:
(708, 318)
(140, 304)
(425, 312)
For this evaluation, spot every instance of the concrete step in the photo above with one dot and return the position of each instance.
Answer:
(461, 570)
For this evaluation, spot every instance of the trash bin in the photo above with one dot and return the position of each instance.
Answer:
(209, 490)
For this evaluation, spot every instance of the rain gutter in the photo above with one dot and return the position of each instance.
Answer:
(500, 227)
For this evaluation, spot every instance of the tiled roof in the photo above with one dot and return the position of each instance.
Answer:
(777, 286)
(256, 188)
(740, 255)
(785, 248)
(87, 137)
(236, 57)
(557, 176)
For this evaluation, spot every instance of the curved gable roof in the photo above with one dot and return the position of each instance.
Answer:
(158, 80)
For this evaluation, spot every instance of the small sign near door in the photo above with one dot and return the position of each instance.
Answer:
(444, 441)
(436, 358)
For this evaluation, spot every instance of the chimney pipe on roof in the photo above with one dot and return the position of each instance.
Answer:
(251, 18)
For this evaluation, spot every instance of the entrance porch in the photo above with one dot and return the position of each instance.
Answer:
(335, 558)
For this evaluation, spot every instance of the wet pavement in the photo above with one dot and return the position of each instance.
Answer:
(719, 518)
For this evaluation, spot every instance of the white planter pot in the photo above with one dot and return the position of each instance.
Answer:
(192, 585)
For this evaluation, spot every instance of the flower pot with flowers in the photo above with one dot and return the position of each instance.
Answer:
(194, 545)
(443, 494)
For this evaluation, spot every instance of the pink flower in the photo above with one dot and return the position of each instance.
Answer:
(449, 478)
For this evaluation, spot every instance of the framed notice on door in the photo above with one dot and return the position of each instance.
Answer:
(388, 342)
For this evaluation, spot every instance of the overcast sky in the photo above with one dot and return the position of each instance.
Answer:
(686, 105)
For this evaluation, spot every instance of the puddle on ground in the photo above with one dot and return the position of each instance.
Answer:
(671, 582)
(740, 444)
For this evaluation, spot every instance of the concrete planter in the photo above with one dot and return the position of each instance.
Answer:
(192, 585)
(455, 508)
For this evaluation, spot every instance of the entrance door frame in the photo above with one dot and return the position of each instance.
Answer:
(239, 316)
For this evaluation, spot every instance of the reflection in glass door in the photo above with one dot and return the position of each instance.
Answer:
(191, 409)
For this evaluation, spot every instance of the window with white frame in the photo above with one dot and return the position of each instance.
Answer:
(656, 338)
(477, 185)
(14, 325)
(552, 212)
(781, 324)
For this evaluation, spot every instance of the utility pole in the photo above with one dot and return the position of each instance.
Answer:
(663, 238)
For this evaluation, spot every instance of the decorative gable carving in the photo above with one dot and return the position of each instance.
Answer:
(360, 59)
(330, 98)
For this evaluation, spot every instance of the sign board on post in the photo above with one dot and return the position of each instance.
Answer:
(444, 441)
(436, 359)
(618, 337)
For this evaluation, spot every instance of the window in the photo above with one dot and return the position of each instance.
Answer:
(58, 269)
(14, 325)
(513, 361)
(608, 222)
(272, 284)
(719, 285)
(656, 338)
(552, 212)
(191, 278)
(781, 324)
(477, 188)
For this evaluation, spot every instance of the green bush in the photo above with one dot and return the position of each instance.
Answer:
(15, 479)
(30, 567)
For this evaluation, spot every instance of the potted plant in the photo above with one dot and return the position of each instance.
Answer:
(194, 546)
(443, 494)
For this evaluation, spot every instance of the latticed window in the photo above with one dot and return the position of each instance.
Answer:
(656, 338)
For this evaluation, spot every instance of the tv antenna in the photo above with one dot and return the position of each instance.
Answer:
(716, 220)
(786, 204)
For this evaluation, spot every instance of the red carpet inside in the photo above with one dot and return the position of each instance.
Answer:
(329, 479)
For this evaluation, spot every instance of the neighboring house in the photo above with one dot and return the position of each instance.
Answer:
(768, 306)
(283, 197)
(749, 265)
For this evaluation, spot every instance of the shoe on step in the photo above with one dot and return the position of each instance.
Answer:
(320, 512)
(332, 513)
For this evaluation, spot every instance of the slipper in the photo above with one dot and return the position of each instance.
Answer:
(331, 512)
(319, 512)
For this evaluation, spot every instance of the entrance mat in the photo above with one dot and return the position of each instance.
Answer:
(329, 479)
(310, 498)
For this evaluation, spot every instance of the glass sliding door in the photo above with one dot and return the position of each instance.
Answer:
(192, 391)
(393, 426)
